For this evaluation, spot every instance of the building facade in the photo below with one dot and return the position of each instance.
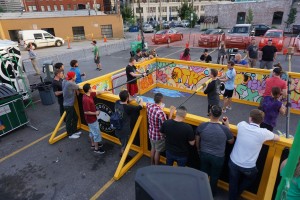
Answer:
(270, 12)
(11, 5)
(169, 8)
(76, 25)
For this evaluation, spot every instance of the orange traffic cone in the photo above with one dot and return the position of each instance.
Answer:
(104, 39)
(139, 37)
(285, 51)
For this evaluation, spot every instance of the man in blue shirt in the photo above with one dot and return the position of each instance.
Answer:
(75, 68)
(238, 61)
(228, 78)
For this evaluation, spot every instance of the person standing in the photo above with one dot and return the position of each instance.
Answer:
(75, 68)
(275, 81)
(69, 89)
(185, 55)
(96, 55)
(252, 53)
(272, 107)
(229, 79)
(268, 55)
(57, 89)
(138, 56)
(179, 136)
(59, 66)
(127, 112)
(221, 53)
(32, 57)
(132, 73)
(205, 57)
(90, 115)
(211, 138)
(213, 90)
(156, 117)
(242, 162)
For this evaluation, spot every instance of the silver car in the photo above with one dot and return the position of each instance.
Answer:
(148, 28)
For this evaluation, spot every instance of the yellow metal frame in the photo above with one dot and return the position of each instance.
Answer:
(272, 161)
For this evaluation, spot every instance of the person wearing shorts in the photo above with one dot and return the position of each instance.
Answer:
(228, 78)
(96, 55)
(156, 117)
(132, 74)
(90, 114)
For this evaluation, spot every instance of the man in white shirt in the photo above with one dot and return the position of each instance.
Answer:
(242, 162)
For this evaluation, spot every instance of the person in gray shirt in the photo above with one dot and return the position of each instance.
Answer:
(211, 138)
(69, 89)
(32, 57)
(252, 53)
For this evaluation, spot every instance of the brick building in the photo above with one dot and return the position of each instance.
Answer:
(270, 12)
(62, 5)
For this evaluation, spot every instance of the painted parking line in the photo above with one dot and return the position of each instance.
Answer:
(103, 189)
(27, 146)
(174, 53)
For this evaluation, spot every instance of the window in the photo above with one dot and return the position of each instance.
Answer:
(196, 8)
(137, 10)
(38, 36)
(69, 7)
(48, 36)
(163, 9)
(49, 30)
(14, 35)
(240, 29)
(34, 8)
(174, 9)
(241, 17)
(107, 31)
(75, 7)
(55, 7)
(49, 8)
(30, 8)
(62, 7)
(43, 8)
(202, 8)
(277, 18)
(78, 32)
(152, 9)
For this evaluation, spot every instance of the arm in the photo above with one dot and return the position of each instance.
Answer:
(284, 93)
(57, 93)
(136, 75)
(283, 164)
(282, 110)
(209, 88)
(275, 55)
(102, 92)
(230, 138)
(172, 111)
(197, 142)
(224, 79)
(92, 113)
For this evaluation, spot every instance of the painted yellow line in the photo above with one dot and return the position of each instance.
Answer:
(103, 189)
(27, 146)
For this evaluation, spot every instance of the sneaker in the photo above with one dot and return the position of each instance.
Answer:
(74, 136)
(77, 133)
(229, 108)
(99, 151)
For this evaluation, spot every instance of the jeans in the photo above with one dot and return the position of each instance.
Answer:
(61, 108)
(239, 179)
(71, 120)
(181, 160)
(95, 131)
(212, 165)
(267, 64)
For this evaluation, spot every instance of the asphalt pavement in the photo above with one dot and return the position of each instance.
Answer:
(31, 168)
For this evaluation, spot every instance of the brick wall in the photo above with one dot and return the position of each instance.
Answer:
(263, 12)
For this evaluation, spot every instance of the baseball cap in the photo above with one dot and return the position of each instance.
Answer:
(70, 75)
(205, 50)
(277, 70)
(270, 40)
(94, 42)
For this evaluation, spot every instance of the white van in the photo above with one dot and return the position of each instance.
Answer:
(39, 38)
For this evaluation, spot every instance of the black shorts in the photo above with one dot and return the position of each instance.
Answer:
(97, 60)
(228, 93)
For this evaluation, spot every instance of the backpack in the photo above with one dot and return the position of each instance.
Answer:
(116, 119)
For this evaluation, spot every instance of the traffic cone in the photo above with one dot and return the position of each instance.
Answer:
(69, 46)
(139, 37)
(285, 51)
(104, 39)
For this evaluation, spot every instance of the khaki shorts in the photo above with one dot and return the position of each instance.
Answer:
(158, 145)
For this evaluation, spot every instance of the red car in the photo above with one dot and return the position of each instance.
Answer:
(277, 39)
(167, 36)
(211, 38)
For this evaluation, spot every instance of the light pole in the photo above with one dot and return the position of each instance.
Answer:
(141, 25)
(160, 21)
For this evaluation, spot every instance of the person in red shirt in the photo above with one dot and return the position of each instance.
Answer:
(90, 115)
(185, 55)
(275, 81)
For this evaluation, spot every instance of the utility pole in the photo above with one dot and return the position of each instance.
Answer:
(160, 20)
(141, 25)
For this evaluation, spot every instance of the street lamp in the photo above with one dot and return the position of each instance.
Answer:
(141, 26)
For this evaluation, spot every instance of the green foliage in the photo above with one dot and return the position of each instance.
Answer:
(1, 10)
(127, 13)
(249, 18)
(184, 12)
(291, 17)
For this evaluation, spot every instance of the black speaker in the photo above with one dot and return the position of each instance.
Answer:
(171, 183)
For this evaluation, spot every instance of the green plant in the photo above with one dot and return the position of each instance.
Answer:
(249, 18)
(291, 17)
(127, 13)
(274, 27)
(1, 10)
(185, 11)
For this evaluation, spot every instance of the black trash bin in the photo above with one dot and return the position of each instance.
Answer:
(46, 93)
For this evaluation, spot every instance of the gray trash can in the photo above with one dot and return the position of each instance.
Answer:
(46, 93)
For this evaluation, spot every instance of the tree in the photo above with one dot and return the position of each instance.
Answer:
(1, 10)
(185, 11)
(291, 17)
(249, 18)
(127, 13)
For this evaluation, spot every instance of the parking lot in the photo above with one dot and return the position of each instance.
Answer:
(31, 168)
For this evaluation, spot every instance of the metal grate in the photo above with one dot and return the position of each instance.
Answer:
(106, 30)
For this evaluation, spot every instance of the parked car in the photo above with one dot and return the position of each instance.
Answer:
(296, 29)
(260, 29)
(211, 38)
(167, 36)
(239, 36)
(147, 28)
(39, 38)
(185, 23)
(134, 28)
(178, 24)
(125, 27)
(167, 25)
(297, 43)
(154, 23)
(277, 39)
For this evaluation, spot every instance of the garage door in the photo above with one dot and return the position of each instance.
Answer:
(107, 31)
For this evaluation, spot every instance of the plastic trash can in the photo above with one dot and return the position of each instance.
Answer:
(46, 93)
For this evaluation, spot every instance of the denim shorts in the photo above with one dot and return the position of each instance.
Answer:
(95, 131)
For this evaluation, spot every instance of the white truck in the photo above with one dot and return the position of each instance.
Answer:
(39, 38)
